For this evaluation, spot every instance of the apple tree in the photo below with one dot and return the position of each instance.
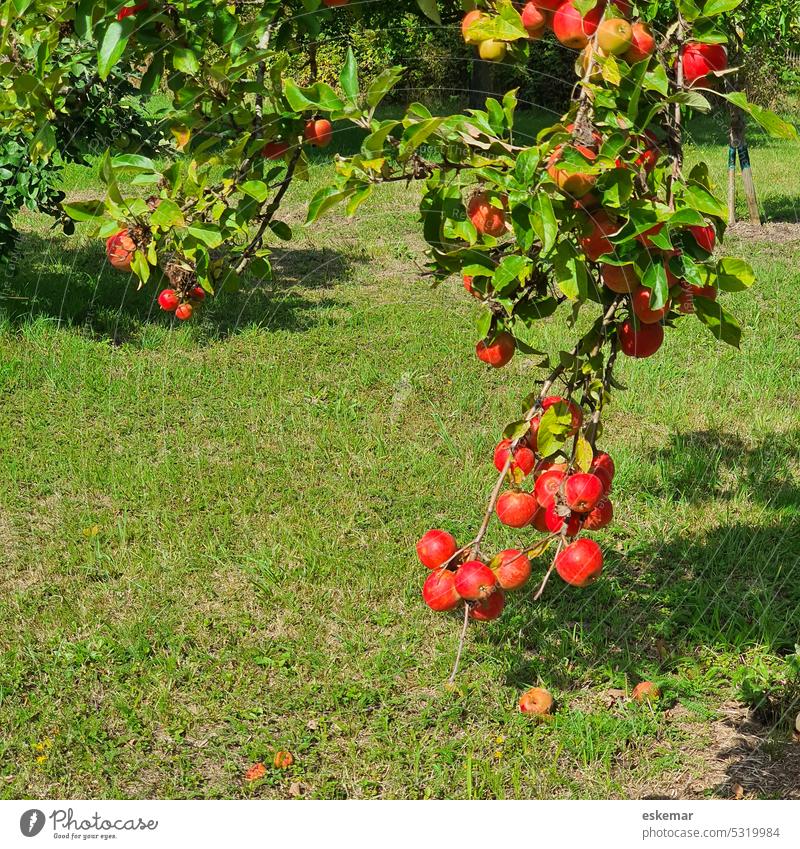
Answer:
(597, 216)
(203, 214)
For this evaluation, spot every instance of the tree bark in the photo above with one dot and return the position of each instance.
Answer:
(480, 83)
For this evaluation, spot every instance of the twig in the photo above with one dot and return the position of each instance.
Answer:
(266, 217)
(549, 572)
(463, 637)
(487, 516)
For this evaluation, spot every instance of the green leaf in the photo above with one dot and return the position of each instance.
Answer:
(543, 219)
(208, 234)
(112, 45)
(430, 8)
(702, 200)
(775, 126)
(255, 189)
(382, 85)
(416, 134)
(167, 214)
(281, 230)
(374, 142)
(583, 454)
(140, 266)
(185, 60)
(570, 272)
(325, 199)
(734, 275)
(723, 325)
(712, 8)
(655, 279)
(349, 77)
(224, 28)
(516, 430)
(526, 165)
(554, 428)
(133, 162)
(509, 272)
(692, 99)
(319, 97)
(86, 210)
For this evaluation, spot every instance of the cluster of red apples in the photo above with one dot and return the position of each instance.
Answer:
(606, 24)
(562, 503)
(603, 32)
(120, 250)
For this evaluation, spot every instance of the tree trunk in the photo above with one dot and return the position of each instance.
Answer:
(480, 83)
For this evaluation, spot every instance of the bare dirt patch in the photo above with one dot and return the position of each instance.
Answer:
(773, 232)
(734, 757)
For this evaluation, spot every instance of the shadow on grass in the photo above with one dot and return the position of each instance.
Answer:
(784, 208)
(73, 285)
(660, 607)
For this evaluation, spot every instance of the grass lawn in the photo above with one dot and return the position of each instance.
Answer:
(206, 535)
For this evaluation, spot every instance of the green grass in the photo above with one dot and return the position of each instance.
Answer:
(207, 531)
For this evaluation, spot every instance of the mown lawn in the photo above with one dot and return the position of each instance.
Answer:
(206, 534)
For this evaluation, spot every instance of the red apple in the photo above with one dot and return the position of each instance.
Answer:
(318, 133)
(197, 293)
(600, 516)
(439, 590)
(435, 548)
(120, 249)
(640, 301)
(646, 691)
(555, 523)
(643, 43)
(168, 300)
(536, 701)
(576, 184)
(539, 520)
(275, 150)
(487, 218)
(686, 303)
(704, 292)
(490, 608)
(334, 3)
(532, 436)
(498, 352)
(603, 466)
(619, 278)
(699, 60)
(475, 580)
(468, 281)
(596, 242)
(640, 343)
(469, 19)
(512, 568)
(547, 485)
(534, 19)
(524, 458)
(515, 508)
(580, 562)
(574, 30)
(583, 491)
(126, 11)
(184, 311)
(649, 159)
(706, 237)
